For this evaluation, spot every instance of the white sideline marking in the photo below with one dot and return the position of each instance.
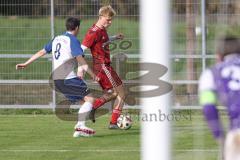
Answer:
(196, 150)
(100, 150)
(63, 150)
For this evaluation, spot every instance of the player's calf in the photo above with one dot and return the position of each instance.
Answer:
(100, 102)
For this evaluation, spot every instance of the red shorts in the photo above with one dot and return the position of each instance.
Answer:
(108, 77)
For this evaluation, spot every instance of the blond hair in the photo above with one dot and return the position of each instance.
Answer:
(107, 11)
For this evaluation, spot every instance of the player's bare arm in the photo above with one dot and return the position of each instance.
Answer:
(83, 67)
(118, 36)
(30, 60)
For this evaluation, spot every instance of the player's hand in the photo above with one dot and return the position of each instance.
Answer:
(80, 74)
(21, 66)
(119, 36)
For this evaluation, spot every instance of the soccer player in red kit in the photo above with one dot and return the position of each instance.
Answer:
(97, 40)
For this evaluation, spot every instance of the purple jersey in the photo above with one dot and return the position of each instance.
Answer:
(227, 81)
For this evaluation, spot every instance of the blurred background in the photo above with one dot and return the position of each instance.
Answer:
(26, 25)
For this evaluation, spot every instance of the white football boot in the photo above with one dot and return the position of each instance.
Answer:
(83, 131)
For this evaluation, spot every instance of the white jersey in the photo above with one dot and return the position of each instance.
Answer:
(64, 49)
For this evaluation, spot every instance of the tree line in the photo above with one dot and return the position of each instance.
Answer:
(65, 7)
(90, 7)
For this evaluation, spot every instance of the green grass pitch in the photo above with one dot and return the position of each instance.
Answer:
(45, 137)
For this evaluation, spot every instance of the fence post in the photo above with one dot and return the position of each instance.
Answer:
(52, 35)
(203, 26)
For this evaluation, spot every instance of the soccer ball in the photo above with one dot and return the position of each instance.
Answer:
(124, 122)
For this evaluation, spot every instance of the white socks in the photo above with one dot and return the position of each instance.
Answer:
(83, 113)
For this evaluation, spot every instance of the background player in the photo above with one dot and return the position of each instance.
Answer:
(66, 50)
(97, 40)
(221, 83)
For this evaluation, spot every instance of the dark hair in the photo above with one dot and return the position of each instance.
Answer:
(72, 23)
(228, 45)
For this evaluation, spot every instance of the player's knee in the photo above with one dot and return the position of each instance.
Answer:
(122, 95)
(119, 94)
(114, 94)
(111, 93)
(89, 99)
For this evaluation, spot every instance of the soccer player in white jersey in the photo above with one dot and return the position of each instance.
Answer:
(66, 54)
(220, 84)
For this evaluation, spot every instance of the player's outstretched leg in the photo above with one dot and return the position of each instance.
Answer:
(97, 103)
(107, 96)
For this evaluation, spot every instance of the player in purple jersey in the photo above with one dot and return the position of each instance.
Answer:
(221, 85)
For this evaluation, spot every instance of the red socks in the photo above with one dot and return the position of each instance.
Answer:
(115, 114)
(98, 103)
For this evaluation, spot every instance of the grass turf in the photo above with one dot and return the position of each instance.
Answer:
(45, 137)
(38, 137)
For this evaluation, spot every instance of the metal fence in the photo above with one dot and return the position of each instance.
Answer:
(26, 26)
(196, 25)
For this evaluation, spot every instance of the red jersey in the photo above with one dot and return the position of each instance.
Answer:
(94, 40)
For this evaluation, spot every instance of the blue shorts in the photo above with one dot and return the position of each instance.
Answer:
(74, 89)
